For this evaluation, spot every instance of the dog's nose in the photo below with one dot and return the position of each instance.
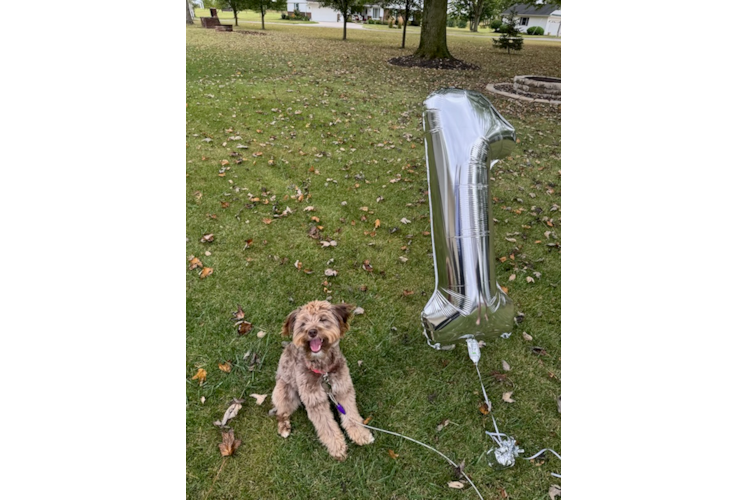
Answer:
(313, 333)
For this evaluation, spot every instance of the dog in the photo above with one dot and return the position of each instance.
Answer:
(313, 371)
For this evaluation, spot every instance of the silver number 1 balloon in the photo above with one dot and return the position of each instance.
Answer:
(465, 135)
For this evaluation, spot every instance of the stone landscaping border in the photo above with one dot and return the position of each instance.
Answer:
(495, 88)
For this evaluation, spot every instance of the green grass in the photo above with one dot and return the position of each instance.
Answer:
(304, 90)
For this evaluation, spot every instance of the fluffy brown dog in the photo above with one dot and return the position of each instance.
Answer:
(311, 369)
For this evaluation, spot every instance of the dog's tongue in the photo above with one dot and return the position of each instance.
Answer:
(315, 344)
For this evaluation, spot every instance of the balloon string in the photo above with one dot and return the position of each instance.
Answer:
(425, 446)
(496, 436)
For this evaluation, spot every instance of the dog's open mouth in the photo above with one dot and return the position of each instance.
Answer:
(315, 344)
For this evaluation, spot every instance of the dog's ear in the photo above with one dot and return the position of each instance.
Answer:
(342, 312)
(289, 323)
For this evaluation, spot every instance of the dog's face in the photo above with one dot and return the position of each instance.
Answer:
(317, 326)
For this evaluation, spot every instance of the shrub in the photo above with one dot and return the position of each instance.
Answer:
(495, 25)
(535, 30)
(461, 23)
(284, 16)
(414, 23)
(391, 23)
(451, 22)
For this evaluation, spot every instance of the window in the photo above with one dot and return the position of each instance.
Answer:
(524, 21)
(375, 12)
(295, 6)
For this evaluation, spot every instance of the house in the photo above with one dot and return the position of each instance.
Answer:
(315, 12)
(547, 17)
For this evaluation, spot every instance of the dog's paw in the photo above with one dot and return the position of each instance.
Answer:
(340, 456)
(360, 435)
(284, 429)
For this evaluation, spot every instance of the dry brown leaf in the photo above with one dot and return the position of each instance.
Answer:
(512, 277)
(207, 271)
(194, 263)
(554, 491)
(309, 209)
(404, 221)
(239, 314)
(407, 293)
(297, 265)
(225, 367)
(247, 243)
(403, 259)
(261, 334)
(267, 220)
(368, 419)
(483, 408)
(392, 454)
(207, 238)
(530, 279)
(200, 375)
(260, 398)
(456, 485)
(505, 366)
(231, 412)
(331, 272)
(376, 224)
(526, 336)
(367, 266)
(225, 204)
(244, 328)
(507, 397)
(358, 311)
(229, 444)
(442, 425)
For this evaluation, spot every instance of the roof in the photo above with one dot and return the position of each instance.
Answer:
(529, 9)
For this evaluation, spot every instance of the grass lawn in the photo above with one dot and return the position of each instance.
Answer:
(333, 121)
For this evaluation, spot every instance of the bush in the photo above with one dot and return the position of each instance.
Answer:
(284, 16)
(495, 25)
(391, 23)
(461, 23)
(535, 30)
(414, 23)
(451, 22)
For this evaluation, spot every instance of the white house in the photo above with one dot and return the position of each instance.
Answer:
(547, 17)
(316, 12)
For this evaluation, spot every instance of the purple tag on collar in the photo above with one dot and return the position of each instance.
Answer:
(341, 409)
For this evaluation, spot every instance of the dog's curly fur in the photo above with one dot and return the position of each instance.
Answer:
(300, 374)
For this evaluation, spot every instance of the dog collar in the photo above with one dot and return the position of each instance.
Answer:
(317, 371)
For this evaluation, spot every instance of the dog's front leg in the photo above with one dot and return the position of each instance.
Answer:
(344, 393)
(318, 409)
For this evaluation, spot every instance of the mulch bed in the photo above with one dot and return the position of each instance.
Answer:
(417, 62)
(251, 33)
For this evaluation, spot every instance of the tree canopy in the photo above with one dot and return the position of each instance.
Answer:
(345, 7)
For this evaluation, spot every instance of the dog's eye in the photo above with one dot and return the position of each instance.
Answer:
(323, 320)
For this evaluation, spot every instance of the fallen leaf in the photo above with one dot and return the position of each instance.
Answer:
(229, 444)
(392, 454)
(244, 328)
(502, 259)
(554, 491)
(530, 279)
(507, 396)
(442, 425)
(367, 266)
(225, 367)
(309, 209)
(526, 336)
(407, 293)
(331, 272)
(239, 314)
(511, 240)
(259, 397)
(231, 412)
(267, 221)
(505, 366)
(200, 375)
(404, 221)
(194, 263)
(358, 311)
(376, 224)
(539, 351)
(368, 419)
(207, 238)
(503, 493)
(261, 334)
(297, 265)
(456, 485)
(484, 408)
(512, 277)
(403, 259)
(247, 243)
(360, 362)
(202, 400)
(207, 271)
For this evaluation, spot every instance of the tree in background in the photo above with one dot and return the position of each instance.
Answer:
(433, 44)
(189, 16)
(406, 6)
(345, 7)
(476, 11)
(234, 5)
(262, 6)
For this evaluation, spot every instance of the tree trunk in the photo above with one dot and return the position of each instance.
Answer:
(345, 25)
(476, 18)
(434, 31)
(405, 25)
(262, 11)
(236, 18)
(189, 16)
